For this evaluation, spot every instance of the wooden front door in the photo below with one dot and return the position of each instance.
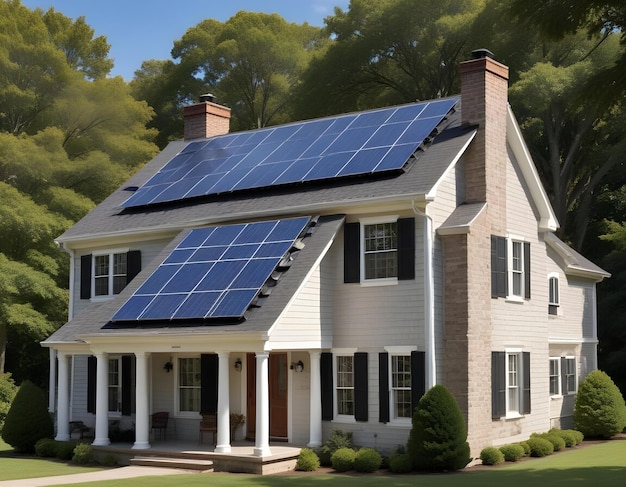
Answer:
(278, 392)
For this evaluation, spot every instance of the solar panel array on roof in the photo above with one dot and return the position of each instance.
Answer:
(213, 272)
(345, 145)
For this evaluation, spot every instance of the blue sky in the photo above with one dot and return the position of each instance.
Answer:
(138, 30)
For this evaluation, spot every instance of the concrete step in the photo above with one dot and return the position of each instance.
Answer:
(182, 463)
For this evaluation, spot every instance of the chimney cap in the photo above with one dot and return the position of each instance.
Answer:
(210, 97)
(482, 53)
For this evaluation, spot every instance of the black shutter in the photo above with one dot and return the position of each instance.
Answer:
(91, 384)
(406, 248)
(352, 252)
(85, 276)
(526, 380)
(383, 387)
(326, 376)
(527, 270)
(360, 386)
(418, 378)
(564, 390)
(127, 385)
(133, 264)
(498, 267)
(498, 384)
(208, 382)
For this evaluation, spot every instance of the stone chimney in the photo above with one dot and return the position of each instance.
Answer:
(206, 119)
(484, 102)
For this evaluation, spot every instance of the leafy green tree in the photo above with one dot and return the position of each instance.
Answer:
(28, 419)
(8, 389)
(438, 438)
(599, 410)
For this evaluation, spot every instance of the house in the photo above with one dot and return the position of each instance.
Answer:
(322, 275)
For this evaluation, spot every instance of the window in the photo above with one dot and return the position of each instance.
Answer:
(513, 384)
(380, 250)
(555, 377)
(115, 385)
(570, 375)
(553, 294)
(510, 268)
(345, 385)
(510, 383)
(109, 274)
(401, 386)
(189, 384)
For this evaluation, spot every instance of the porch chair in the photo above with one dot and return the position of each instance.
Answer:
(159, 422)
(208, 424)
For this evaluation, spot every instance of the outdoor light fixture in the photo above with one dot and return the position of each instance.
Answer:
(168, 366)
(238, 365)
(298, 366)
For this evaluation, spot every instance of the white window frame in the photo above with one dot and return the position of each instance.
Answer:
(177, 386)
(117, 412)
(570, 359)
(398, 351)
(514, 410)
(364, 222)
(337, 354)
(515, 272)
(554, 293)
(110, 253)
(558, 391)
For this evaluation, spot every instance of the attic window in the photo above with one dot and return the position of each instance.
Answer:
(553, 294)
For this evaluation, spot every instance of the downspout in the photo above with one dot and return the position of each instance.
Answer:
(429, 298)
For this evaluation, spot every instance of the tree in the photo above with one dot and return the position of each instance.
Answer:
(599, 410)
(438, 438)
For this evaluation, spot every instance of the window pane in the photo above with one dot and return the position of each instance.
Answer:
(101, 265)
(403, 404)
(513, 398)
(554, 377)
(381, 244)
(345, 385)
(345, 401)
(189, 383)
(114, 385)
(401, 385)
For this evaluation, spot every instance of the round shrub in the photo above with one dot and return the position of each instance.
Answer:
(540, 447)
(526, 447)
(599, 411)
(307, 461)
(109, 460)
(568, 437)
(512, 452)
(83, 454)
(400, 463)
(28, 420)
(338, 439)
(343, 459)
(578, 435)
(46, 447)
(438, 437)
(558, 443)
(367, 460)
(65, 449)
(491, 456)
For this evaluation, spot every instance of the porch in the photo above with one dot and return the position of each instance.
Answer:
(190, 455)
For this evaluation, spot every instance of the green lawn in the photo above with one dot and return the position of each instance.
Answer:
(14, 467)
(603, 465)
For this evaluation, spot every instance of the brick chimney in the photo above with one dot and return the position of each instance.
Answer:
(206, 119)
(484, 102)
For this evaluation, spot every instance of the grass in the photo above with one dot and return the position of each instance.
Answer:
(15, 467)
(603, 464)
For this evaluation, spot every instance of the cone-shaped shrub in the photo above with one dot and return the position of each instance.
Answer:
(438, 438)
(599, 411)
(28, 420)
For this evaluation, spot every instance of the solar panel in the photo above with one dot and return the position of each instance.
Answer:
(345, 145)
(213, 272)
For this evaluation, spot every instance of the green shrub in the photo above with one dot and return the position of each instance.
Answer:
(367, 460)
(83, 454)
(599, 411)
(539, 447)
(343, 459)
(28, 420)
(338, 439)
(491, 456)
(65, 449)
(8, 389)
(109, 460)
(46, 447)
(438, 438)
(400, 463)
(307, 461)
(526, 448)
(558, 443)
(568, 436)
(512, 452)
(578, 435)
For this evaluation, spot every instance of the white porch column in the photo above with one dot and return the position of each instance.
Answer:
(142, 412)
(262, 441)
(52, 384)
(315, 408)
(63, 408)
(223, 404)
(102, 400)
